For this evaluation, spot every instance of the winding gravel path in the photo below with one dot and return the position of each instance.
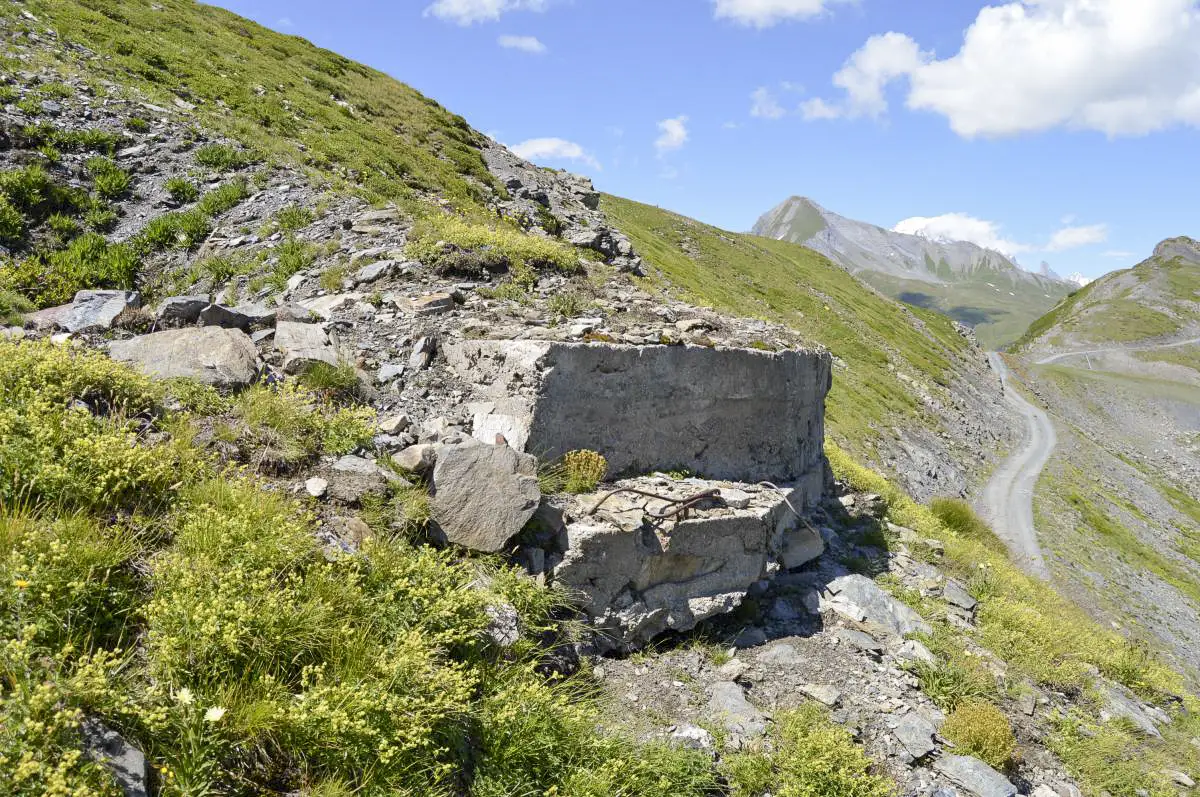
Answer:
(1007, 501)
(1008, 497)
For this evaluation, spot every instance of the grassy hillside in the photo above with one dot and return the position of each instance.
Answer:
(876, 340)
(999, 308)
(279, 95)
(1155, 300)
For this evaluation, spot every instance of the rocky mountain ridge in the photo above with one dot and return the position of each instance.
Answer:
(972, 284)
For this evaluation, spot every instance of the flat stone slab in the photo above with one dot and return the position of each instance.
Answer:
(860, 599)
(974, 776)
(92, 310)
(224, 358)
(737, 414)
(915, 734)
(638, 575)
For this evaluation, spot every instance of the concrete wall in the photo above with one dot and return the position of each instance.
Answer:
(728, 414)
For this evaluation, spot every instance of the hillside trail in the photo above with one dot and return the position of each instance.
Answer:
(1007, 501)
(1087, 352)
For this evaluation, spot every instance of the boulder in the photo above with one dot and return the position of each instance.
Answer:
(915, 734)
(326, 306)
(433, 304)
(859, 598)
(974, 776)
(1120, 702)
(417, 459)
(96, 310)
(822, 693)
(728, 706)
(376, 271)
(126, 762)
(743, 415)
(912, 650)
(483, 495)
(637, 576)
(956, 595)
(352, 478)
(48, 318)
(302, 345)
(223, 358)
(244, 317)
(180, 310)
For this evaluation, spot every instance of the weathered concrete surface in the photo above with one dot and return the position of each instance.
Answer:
(735, 414)
(637, 577)
(216, 356)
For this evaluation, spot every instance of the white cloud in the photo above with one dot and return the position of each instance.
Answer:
(526, 44)
(1074, 237)
(765, 13)
(673, 134)
(1121, 67)
(467, 12)
(284, 22)
(817, 108)
(536, 149)
(1118, 253)
(764, 105)
(962, 227)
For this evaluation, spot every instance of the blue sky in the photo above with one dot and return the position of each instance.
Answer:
(1057, 130)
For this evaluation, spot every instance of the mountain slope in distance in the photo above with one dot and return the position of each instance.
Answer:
(975, 286)
(1154, 302)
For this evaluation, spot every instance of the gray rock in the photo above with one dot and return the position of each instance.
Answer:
(1120, 702)
(110, 749)
(865, 599)
(956, 595)
(417, 459)
(691, 737)
(974, 776)
(728, 705)
(394, 423)
(95, 310)
(433, 304)
(912, 650)
(859, 640)
(303, 345)
(180, 310)
(218, 315)
(1181, 778)
(822, 693)
(223, 358)
(388, 372)
(1042, 790)
(732, 670)
(48, 318)
(760, 414)
(376, 271)
(326, 306)
(915, 734)
(422, 353)
(483, 495)
(316, 487)
(352, 478)
(504, 625)
(780, 654)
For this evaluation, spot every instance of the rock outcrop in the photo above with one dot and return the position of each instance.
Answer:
(728, 414)
(223, 358)
(640, 574)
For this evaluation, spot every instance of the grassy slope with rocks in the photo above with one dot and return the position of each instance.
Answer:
(1158, 299)
(156, 576)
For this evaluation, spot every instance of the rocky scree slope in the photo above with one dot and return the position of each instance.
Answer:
(340, 332)
(973, 285)
(1116, 367)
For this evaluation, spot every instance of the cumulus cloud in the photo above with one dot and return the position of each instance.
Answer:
(1074, 237)
(765, 13)
(526, 44)
(962, 227)
(673, 134)
(538, 149)
(1121, 67)
(763, 105)
(817, 108)
(467, 12)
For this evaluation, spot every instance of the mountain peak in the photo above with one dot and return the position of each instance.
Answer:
(1181, 246)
